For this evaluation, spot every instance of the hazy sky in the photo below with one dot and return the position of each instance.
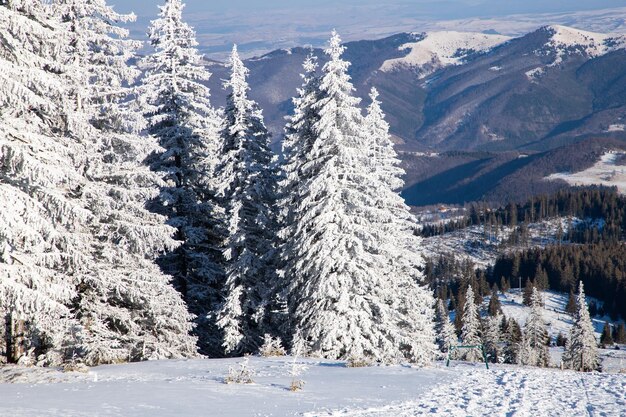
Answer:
(443, 9)
(259, 26)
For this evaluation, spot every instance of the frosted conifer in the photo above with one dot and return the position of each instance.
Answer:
(581, 350)
(533, 350)
(42, 233)
(351, 260)
(444, 329)
(470, 332)
(180, 116)
(248, 190)
(492, 337)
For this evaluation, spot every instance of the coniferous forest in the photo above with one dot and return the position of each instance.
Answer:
(144, 221)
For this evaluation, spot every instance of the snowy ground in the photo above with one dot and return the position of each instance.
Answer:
(605, 172)
(196, 388)
(554, 313)
(509, 391)
(483, 248)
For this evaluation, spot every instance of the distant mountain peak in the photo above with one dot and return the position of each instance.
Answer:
(435, 50)
(565, 41)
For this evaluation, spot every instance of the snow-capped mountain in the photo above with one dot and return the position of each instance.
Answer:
(436, 50)
(567, 41)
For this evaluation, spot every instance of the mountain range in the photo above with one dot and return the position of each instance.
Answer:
(473, 98)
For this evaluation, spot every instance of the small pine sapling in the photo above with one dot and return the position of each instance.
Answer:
(607, 338)
(296, 368)
(241, 375)
(272, 346)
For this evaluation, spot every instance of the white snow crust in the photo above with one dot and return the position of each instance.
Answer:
(196, 388)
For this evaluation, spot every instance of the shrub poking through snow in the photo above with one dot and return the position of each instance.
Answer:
(241, 375)
(358, 362)
(272, 346)
(296, 368)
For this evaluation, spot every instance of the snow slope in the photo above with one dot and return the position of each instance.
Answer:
(511, 391)
(605, 172)
(557, 320)
(440, 49)
(196, 388)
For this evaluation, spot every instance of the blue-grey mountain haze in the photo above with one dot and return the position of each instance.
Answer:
(261, 26)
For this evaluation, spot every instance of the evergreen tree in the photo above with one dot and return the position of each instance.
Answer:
(180, 116)
(248, 189)
(581, 350)
(444, 330)
(513, 339)
(561, 340)
(620, 334)
(470, 332)
(122, 295)
(528, 292)
(492, 337)
(42, 232)
(494, 308)
(534, 349)
(352, 261)
(296, 148)
(383, 159)
(606, 338)
(570, 308)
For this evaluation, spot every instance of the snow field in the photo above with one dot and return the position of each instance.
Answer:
(512, 391)
(605, 172)
(196, 388)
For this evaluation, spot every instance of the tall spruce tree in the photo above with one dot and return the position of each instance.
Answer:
(248, 188)
(470, 332)
(180, 116)
(444, 329)
(512, 340)
(492, 337)
(42, 232)
(534, 350)
(296, 148)
(495, 308)
(351, 263)
(126, 306)
(581, 349)
(607, 336)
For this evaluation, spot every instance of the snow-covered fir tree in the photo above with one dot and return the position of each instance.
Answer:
(581, 349)
(351, 262)
(296, 148)
(492, 337)
(181, 117)
(126, 305)
(534, 350)
(248, 189)
(383, 158)
(42, 237)
(444, 329)
(512, 336)
(470, 332)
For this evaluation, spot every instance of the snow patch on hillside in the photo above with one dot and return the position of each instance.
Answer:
(441, 49)
(605, 172)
